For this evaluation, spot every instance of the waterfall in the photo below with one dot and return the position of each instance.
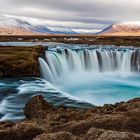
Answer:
(95, 60)
(45, 71)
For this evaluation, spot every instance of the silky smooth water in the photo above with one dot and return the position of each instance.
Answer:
(98, 76)
(75, 76)
(100, 89)
(71, 91)
(14, 93)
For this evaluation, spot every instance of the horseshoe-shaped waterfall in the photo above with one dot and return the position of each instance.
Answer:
(76, 76)
(95, 74)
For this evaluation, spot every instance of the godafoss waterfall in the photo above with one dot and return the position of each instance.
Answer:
(95, 75)
(76, 76)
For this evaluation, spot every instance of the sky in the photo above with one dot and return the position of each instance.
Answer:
(79, 15)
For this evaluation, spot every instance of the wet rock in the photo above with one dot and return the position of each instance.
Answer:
(37, 107)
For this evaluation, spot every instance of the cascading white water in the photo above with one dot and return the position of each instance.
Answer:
(94, 74)
(85, 60)
(45, 71)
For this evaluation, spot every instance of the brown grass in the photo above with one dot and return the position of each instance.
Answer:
(19, 61)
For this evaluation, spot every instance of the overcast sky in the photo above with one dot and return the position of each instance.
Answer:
(84, 15)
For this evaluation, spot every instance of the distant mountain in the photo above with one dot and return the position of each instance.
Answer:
(123, 28)
(12, 26)
(44, 29)
(16, 26)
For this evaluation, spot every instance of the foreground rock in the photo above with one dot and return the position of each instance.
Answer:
(20, 61)
(44, 122)
(37, 107)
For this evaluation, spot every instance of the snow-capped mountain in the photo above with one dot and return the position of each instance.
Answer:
(123, 28)
(18, 26)
(44, 29)
(13, 26)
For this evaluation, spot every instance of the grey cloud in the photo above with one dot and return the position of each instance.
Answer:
(96, 13)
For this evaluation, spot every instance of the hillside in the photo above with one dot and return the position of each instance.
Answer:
(123, 29)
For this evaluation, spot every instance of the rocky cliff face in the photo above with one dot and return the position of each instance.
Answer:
(20, 61)
(45, 122)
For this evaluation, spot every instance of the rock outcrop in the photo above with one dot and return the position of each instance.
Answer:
(45, 122)
(37, 107)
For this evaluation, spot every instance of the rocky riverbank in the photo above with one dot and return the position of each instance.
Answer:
(20, 61)
(45, 122)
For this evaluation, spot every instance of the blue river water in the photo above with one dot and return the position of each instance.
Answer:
(98, 90)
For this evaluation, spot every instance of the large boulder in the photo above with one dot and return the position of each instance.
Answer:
(37, 107)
